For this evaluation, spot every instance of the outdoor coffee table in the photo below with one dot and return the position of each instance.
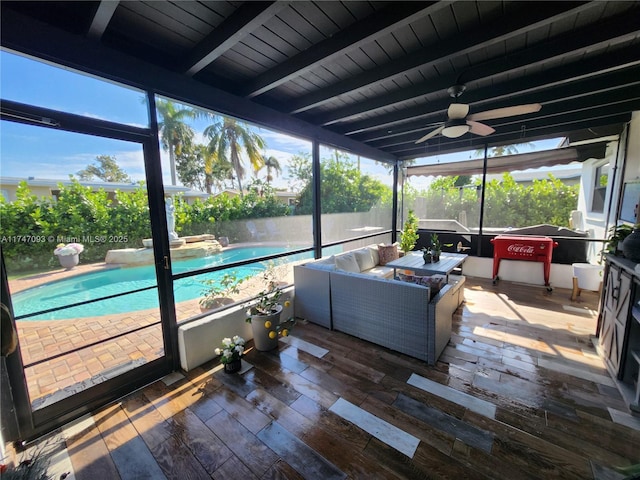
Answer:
(413, 261)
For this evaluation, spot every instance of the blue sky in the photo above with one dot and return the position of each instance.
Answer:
(45, 153)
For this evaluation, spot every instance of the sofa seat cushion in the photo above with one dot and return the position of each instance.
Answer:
(381, 272)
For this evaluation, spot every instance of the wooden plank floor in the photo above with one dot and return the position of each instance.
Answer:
(519, 393)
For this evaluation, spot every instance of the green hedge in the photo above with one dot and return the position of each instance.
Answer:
(31, 227)
(507, 203)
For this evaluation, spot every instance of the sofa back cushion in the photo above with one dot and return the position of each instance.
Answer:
(374, 253)
(321, 266)
(364, 259)
(347, 262)
(324, 263)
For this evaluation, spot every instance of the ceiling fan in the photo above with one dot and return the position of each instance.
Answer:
(460, 122)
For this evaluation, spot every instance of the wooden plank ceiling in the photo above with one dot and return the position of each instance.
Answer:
(379, 72)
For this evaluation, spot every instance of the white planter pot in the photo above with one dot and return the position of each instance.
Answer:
(589, 276)
(68, 261)
(261, 339)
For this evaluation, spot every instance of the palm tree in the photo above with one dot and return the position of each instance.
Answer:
(174, 133)
(272, 163)
(216, 170)
(228, 138)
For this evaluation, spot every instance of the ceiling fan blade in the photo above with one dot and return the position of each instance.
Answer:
(505, 112)
(432, 133)
(480, 128)
(457, 110)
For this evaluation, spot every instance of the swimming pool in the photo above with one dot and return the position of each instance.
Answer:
(94, 285)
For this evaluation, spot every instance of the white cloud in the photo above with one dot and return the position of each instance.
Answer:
(285, 143)
(132, 162)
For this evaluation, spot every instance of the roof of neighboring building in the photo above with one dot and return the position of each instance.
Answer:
(108, 186)
(561, 172)
(235, 191)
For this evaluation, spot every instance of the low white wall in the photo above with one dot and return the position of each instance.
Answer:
(561, 276)
(197, 340)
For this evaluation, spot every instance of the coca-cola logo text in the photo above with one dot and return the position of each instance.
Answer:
(521, 249)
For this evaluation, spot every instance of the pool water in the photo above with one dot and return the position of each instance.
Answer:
(94, 285)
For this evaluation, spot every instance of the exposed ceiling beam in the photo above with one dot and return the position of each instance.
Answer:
(410, 118)
(364, 31)
(521, 22)
(618, 29)
(101, 18)
(537, 132)
(248, 17)
(32, 37)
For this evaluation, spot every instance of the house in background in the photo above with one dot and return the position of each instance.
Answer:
(569, 174)
(49, 187)
(286, 198)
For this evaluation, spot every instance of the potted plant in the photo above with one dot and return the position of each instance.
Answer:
(630, 246)
(617, 233)
(69, 254)
(409, 235)
(264, 314)
(230, 353)
(436, 247)
(217, 292)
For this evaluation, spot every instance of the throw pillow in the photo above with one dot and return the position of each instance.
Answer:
(435, 282)
(387, 253)
(347, 263)
(406, 278)
(364, 259)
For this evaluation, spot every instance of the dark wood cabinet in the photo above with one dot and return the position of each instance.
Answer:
(619, 324)
(619, 287)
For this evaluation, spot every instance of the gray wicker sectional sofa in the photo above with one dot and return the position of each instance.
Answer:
(371, 305)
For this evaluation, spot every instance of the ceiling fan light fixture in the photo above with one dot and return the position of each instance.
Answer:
(455, 128)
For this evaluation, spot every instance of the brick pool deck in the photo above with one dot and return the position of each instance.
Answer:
(41, 339)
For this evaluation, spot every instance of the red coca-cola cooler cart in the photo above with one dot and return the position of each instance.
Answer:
(532, 249)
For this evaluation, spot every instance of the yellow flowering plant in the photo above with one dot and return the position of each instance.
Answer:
(267, 303)
(409, 236)
(268, 299)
